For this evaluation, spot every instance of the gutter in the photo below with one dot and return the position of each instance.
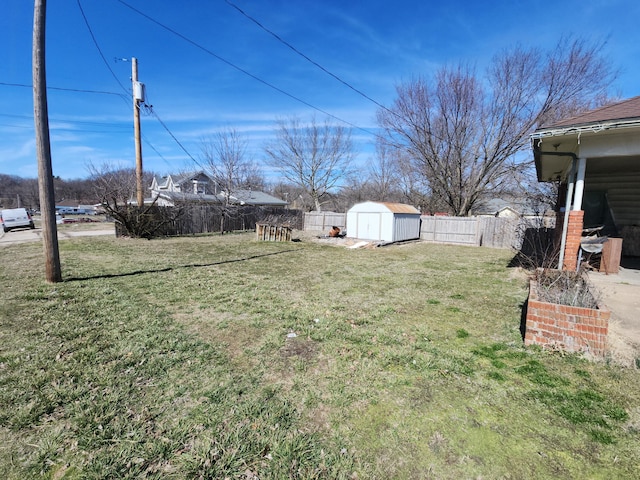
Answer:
(579, 129)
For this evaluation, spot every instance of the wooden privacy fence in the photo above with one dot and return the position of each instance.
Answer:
(459, 230)
(195, 219)
(493, 232)
(207, 218)
(323, 221)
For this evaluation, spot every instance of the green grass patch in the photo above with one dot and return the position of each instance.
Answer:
(462, 333)
(223, 357)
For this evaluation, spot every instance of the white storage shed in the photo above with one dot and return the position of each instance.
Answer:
(381, 221)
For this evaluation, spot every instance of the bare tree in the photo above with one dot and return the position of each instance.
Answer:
(23, 192)
(19, 192)
(228, 164)
(314, 157)
(116, 189)
(384, 174)
(380, 182)
(294, 194)
(462, 135)
(355, 189)
(113, 185)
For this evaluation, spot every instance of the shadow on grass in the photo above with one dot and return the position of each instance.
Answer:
(169, 269)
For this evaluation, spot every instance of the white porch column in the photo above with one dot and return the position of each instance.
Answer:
(571, 178)
(577, 199)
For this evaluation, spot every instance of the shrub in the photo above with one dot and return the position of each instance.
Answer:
(565, 288)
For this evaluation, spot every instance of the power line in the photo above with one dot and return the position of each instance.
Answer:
(79, 122)
(242, 70)
(95, 42)
(150, 110)
(89, 123)
(150, 145)
(30, 127)
(66, 89)
(313, 62)
(153, 112)
(83, 122)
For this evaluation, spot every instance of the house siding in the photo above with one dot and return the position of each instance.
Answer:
(623, 194)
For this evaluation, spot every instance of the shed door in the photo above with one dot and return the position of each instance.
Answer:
(369, 226)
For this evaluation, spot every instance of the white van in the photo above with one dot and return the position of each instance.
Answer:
(15, 218)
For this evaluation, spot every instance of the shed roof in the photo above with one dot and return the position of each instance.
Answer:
(400, 207)
(387, 206)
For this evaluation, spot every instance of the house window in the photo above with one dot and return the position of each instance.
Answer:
(199, 187)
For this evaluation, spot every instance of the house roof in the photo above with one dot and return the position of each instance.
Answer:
(184, 177)
(519, 205)
(627, 109)
(191, 197)
(241, 197)
(253, 197)
(177, 179)
(603, 133)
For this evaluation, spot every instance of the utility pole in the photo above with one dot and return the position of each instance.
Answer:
(138, 96)
(43, 146)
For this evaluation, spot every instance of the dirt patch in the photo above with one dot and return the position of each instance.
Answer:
(325, 239)
(300, 348)
(220, 328)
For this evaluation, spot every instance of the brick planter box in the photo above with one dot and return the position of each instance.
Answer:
(562, 327)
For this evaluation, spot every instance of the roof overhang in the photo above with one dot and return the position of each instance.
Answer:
(554, 148)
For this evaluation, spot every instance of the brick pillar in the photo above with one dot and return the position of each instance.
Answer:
(574, 235)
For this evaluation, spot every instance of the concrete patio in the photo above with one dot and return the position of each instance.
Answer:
(620, 293)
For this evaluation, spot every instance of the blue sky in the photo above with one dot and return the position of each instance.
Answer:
(373, 45)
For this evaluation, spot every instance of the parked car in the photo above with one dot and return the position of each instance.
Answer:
(15, 218)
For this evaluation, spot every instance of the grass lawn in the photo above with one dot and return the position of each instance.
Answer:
(222, 357)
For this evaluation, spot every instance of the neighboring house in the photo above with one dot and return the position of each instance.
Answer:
(73, 207)
(596, 156)
(515, 208)
(198, 187)
(501, 207)
(198, 183)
